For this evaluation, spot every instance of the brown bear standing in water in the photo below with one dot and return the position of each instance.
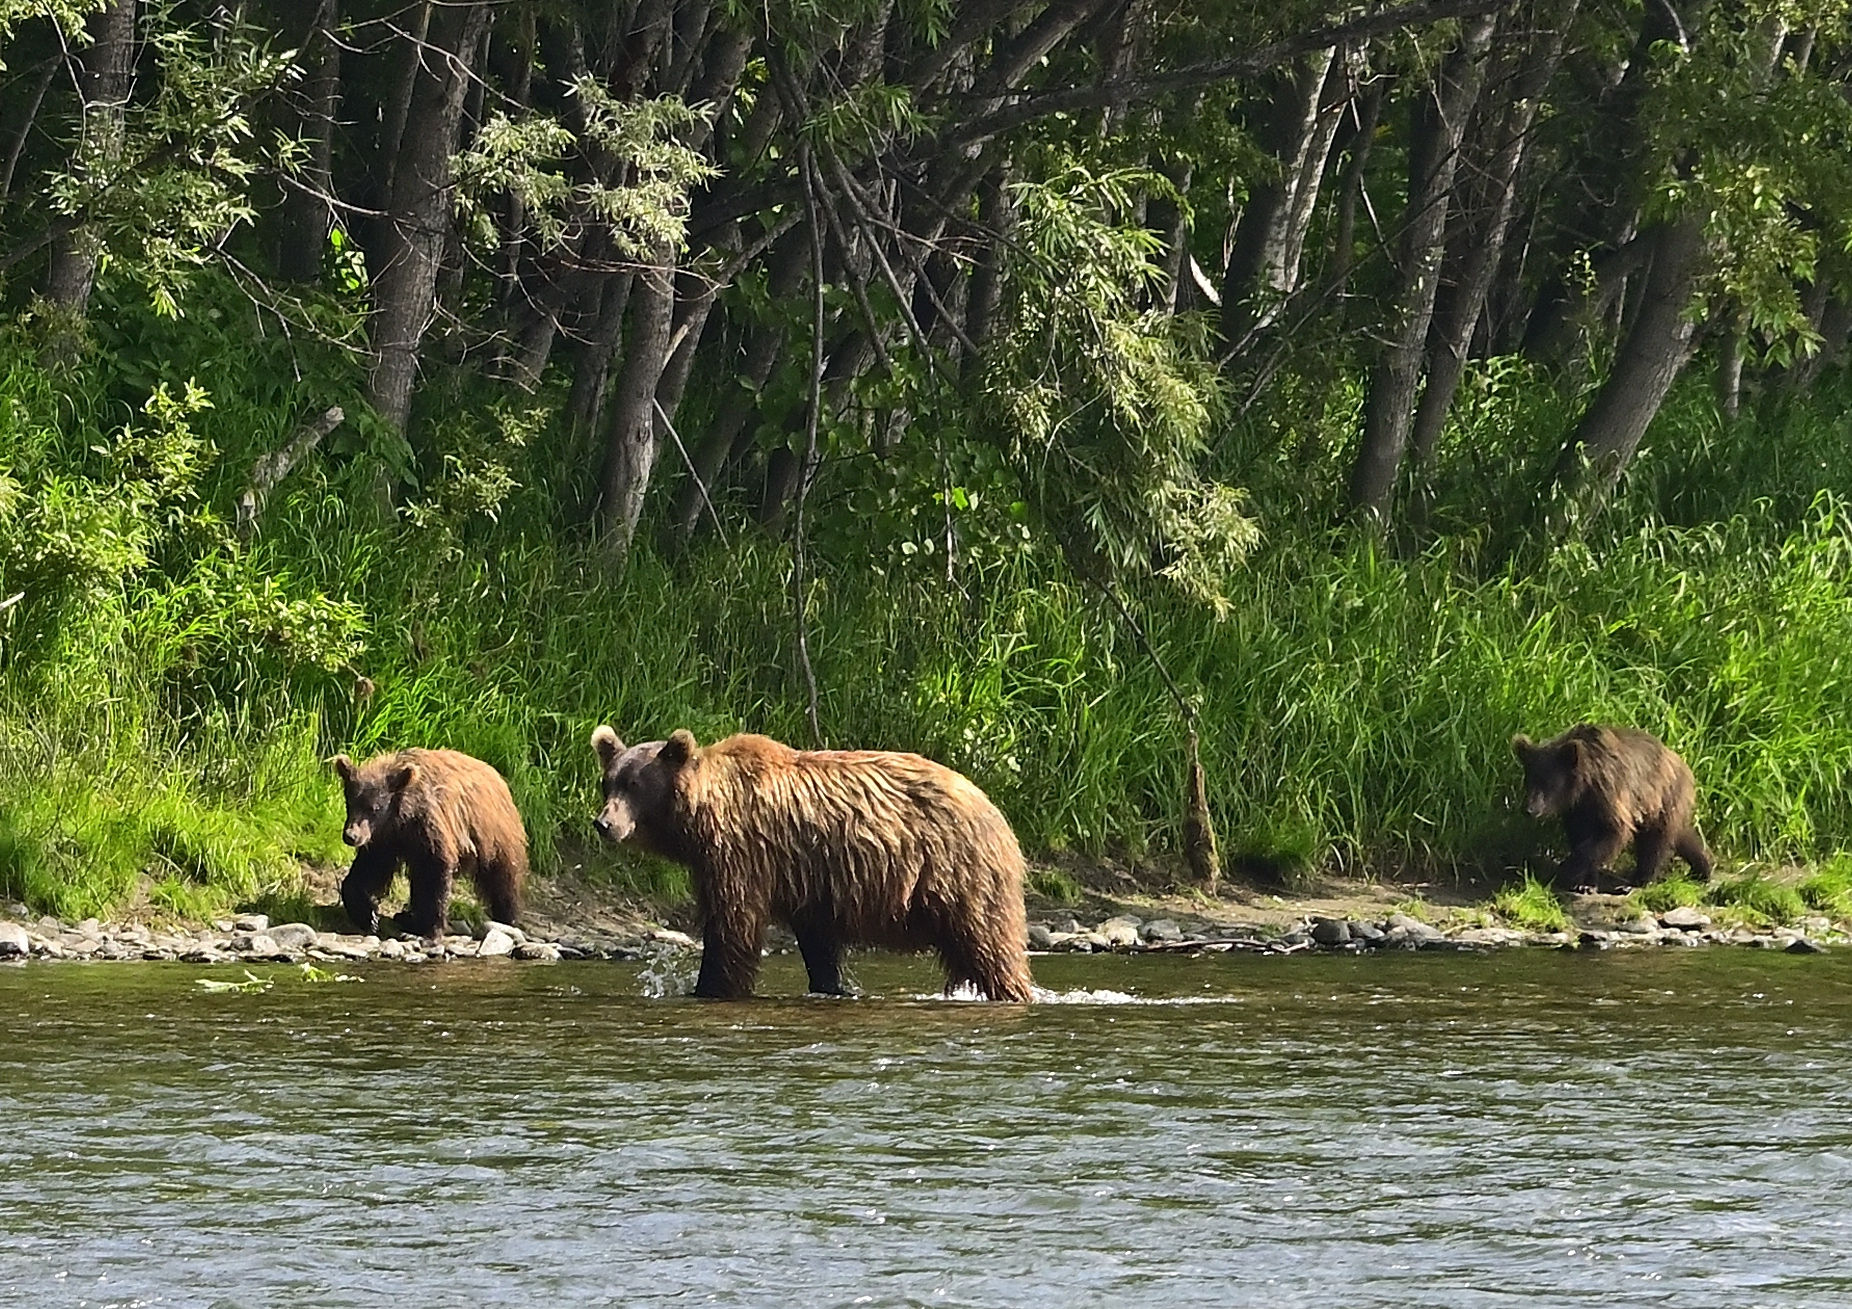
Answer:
(439, 813)
(1612, 786)
(843, 846)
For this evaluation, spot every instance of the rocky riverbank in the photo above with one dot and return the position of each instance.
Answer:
(1281, 929)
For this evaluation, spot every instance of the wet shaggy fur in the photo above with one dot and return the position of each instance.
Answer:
(846, 847)
(1613, 786)
(439, 813)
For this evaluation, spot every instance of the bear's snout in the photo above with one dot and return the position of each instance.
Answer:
(354, 837)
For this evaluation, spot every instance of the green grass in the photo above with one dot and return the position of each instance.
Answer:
(1829, 889)
(1759, 900)
(166, 711)
(1531, 906)
(1670, 893)
(1055, 885)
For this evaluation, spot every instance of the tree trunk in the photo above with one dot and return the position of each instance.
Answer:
(1481, 235)
(308, 214)
(418, 220)
(1656, 347)
(1263, 265)
(630, 450)
(1433, 158)
(106, 74)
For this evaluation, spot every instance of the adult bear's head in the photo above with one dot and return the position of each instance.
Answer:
(639, 788)
(373, 791)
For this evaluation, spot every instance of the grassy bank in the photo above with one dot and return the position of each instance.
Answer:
(168, 692)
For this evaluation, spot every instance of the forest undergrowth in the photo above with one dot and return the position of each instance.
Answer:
(170, 690)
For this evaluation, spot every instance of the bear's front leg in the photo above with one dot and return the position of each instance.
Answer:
(730, 947)
(822, 959)
(366, 882)
(1589, 855)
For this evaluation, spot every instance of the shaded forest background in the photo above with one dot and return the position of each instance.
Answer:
(1030, 383)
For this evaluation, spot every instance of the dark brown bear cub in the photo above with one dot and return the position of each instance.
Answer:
(1613, 786)
(439, 813)
(845, 847)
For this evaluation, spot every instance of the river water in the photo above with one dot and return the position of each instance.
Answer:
(1538, 1128)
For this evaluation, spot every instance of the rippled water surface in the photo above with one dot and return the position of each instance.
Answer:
(1650, 1128)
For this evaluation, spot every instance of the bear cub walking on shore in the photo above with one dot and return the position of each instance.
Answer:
(845, 847)
(1613, 786)
(439, 813)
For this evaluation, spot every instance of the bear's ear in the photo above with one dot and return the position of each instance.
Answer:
(1522, 747)
(679, 748)
(344, 767)
(607, 743)
(402, 777)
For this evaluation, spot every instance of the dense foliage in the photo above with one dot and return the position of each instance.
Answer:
(1360, 383)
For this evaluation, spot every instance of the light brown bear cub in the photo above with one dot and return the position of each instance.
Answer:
(1613, 786)
(439, 813)
(845, 847)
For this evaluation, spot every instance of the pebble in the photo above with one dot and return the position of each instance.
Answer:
(1120, 933)
(1331, 931)
(293, 936)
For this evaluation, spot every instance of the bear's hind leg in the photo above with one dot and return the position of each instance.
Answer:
(496, 889)
(1690, 847)
(978, 959)
(368, 880)
(1651, 849)
(428, 914)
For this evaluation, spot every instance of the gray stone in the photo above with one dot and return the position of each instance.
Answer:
(1160, 930)
(1331, 931)
(537, 952)
(514, 934)
(14, 943)
(254, 943)
(1641, 926)
(1064, 923)
(293, 936)
(47, 948)
(1094, 941)
(251, 923)
(1414, 927)
(1121, 932)
(1801, 945)
(90, 928)
(1369, 932)
(462, 947)
(669, 936)
(1040, 938)
(1490, 936)
(391, 949)
(495, 942)
(1295, 938)
(1685, 918)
